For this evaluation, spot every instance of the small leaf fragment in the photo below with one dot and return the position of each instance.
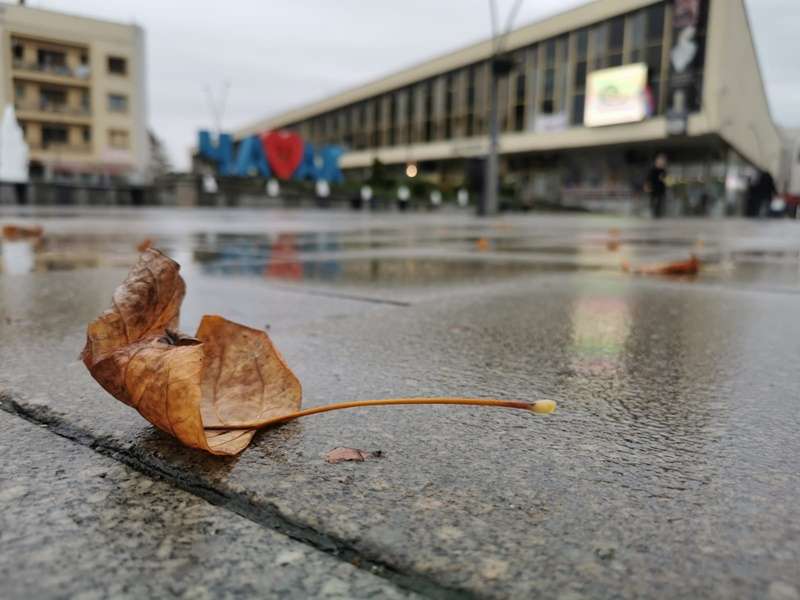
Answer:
(342, 454)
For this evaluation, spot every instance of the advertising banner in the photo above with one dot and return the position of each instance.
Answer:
(616, 95)
(686, 58)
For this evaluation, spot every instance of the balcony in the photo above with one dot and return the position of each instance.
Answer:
(50, 71)
(60, 148)
(53, 108)
(56, 112)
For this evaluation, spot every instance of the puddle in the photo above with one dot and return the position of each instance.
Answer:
(774, 256)
(386, 271)
(392, 250)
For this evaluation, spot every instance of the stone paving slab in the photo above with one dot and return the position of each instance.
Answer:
(668, 471)
(74, 524)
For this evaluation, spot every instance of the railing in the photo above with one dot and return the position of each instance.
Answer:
(79, 72)
(61, 147)
(52, 107)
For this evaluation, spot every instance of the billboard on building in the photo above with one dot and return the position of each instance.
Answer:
(616, 95)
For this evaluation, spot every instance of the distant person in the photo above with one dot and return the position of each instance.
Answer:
(21, 192)
(656, 185)
(760, 194)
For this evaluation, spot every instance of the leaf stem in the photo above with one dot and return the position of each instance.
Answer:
(541, 406)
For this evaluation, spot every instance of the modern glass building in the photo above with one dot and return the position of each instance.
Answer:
(589, 97)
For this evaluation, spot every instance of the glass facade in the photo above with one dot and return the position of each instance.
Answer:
(546, 85)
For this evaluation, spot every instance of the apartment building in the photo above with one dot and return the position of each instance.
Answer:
(78, 88)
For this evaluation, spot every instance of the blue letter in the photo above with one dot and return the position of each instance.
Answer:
(329, 171)
(221, 153)
(308, 167)
(251, 155)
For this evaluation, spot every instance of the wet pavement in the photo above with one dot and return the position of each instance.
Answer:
(669, 469)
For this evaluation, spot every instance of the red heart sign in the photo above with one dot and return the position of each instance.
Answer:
(284, 151)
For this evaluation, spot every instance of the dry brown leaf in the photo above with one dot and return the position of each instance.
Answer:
(686, 267)
(13, 233)
(214, 390)
(341, 454)
(612, 244)
(229, 373)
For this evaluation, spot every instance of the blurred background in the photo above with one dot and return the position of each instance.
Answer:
(635, 107)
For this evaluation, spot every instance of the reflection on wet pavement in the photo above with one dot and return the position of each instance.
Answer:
(349, 249)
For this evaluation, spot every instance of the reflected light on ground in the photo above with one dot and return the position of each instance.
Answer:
(17, 256)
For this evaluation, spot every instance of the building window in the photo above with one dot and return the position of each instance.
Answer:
(117, 103)
(471, 101)
(19, 91)
(87, 135)
(54, 99)
(449, 97)
(348, 136)
(410, 115)
(52, 60)
(359, 126)
(54, 135)
(578, 104)
(117, 65)
(579, 76)
(599, 45)
(519, 104)
(654, 34)
(118, 138)
(18, 50)
(655, 23)
(82, 70)
(428, 115)
(377, 123)
(616, 39)
(547, 105)
(562, 72)
(392, 119)
(636, 25)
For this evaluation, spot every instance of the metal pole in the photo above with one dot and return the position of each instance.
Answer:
(490, 203)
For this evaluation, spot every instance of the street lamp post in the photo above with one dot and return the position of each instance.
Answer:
(501, 66)
(490, 203)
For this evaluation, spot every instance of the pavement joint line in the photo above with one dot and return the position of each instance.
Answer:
(342, 295)
(263, 515)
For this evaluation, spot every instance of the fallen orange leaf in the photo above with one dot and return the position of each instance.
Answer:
(211, 391)
(13, 233)
(483, 244)
(686, 267)
(612, 245)
(229, 372)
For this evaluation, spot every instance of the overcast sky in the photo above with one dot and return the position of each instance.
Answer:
(277, 54)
